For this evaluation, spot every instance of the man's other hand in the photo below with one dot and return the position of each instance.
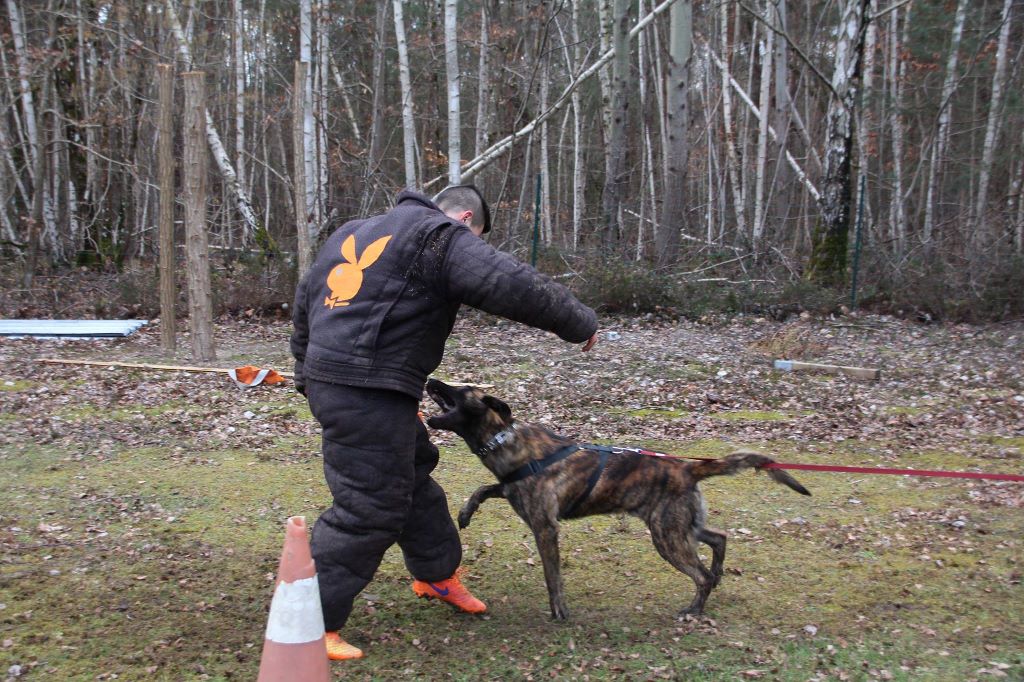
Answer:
(590, 343)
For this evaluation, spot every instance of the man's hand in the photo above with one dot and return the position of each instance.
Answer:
(590, 343)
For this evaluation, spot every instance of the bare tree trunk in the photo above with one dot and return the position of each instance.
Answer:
(483, 79)
(239, 64)
(451, 60)
(647, 162)
(27, 101)
(579, 171)
(865, 118)
(677, 89)
(544, 167)
(827, 264)
(1018, 232)
(897, 76)
(300, 154)
(617, 172)
(766, 50)
(783, 190)
(408, 123)
(984, 233)
(322, 113)
(194, 172)
(731, 161)
(86, 73)
(339, 82)
(311, 171)
(166, 180)
(377, 113)
(39, 184)
(938, 149)
(242, 202)
(604, 32)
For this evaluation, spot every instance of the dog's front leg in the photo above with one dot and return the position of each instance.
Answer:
(484, 492)
(546, 536)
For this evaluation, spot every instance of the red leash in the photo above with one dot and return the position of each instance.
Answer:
(860, 470)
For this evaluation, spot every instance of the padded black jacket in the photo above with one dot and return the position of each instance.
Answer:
(382, 295)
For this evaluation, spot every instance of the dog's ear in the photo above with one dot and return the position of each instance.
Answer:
(473, 405)
(503, 410)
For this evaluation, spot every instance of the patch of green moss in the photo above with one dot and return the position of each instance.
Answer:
(904, 409)
(14, 385)
(753, 415)
(1006, 441)
(653, 412)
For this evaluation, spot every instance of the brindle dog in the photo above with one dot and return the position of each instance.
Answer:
(661, 491)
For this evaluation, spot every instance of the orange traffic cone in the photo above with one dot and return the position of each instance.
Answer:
(294, 648)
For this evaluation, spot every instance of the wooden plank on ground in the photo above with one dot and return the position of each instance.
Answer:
(858, 372)
(134, 365)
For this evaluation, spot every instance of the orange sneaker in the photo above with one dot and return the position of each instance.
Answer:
(452, 591)
(340, 650)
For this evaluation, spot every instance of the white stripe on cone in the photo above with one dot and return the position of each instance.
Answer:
(295, 615)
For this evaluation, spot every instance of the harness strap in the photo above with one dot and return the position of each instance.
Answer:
(595, 476)
(535, 466)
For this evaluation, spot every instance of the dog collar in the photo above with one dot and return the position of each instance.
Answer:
(497, 440)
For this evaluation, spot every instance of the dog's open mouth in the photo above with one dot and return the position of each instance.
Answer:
(441, 394)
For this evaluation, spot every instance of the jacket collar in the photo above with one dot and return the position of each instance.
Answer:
(410, 195)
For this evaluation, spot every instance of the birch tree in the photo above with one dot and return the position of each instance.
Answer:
(983, 231)
(239, 69)
(938, 147)
(897, 76)
(408, 123)
(451, 60)
(484, 81)
(827, 263)
(309, 145)
(731, 160)
(766, 49)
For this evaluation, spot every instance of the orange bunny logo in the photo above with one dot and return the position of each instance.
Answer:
(346, 278)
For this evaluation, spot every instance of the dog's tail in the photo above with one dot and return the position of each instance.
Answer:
(743, 459)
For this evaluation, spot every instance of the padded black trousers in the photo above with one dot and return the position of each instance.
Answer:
(377, 462)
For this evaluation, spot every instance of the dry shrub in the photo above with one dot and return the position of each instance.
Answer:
(792, 342)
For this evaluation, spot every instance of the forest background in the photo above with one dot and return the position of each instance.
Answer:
(680, 156)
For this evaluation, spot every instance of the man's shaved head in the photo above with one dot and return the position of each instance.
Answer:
(460, 198)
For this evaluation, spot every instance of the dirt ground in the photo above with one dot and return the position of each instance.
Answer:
(141, 514)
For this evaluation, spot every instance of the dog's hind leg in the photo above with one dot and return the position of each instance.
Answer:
(484, 492)
(679, 549)
(546, 535)
(716, 541)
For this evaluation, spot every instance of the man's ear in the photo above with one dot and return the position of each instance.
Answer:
(503, 410)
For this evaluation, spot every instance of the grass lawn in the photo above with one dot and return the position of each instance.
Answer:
(139, 534)
(148, 564)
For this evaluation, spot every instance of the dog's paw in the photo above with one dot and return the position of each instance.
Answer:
(464, 517)
(559, 613)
